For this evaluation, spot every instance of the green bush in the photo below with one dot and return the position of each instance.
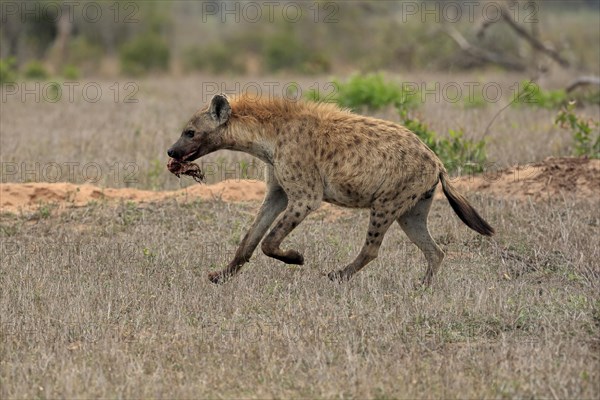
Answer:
(143, 54)
(71, 72)
(456, 152)
(586, 133)
(84, 53)
(8, 70)
(533, 95)
(215, 58)
(591, 97)
(283, 51)
(53, 93)
(35, 70)
(371, 91)
(316, 63)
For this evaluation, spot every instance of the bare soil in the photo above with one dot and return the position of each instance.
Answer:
(555, 176)
(577, 178)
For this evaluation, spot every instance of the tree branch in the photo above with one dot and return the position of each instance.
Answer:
(482, 54)
(582, 81)
(538, 45)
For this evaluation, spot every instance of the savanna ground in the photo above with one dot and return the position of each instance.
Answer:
(111, 299)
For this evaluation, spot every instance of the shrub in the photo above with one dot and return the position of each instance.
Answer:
(370, 91)
(53, 93)
(35, 70)
(71, 72)
(317, 63)
(591, 97)
(84, 53)
(143, 54)
(456, 152)
(586, 133)
(8, 70)
(533, 95)
(283, 51)
(215, 58)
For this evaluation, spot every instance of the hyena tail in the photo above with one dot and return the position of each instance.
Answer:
(463, 209)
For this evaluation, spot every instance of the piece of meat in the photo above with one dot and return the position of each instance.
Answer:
(185, 168)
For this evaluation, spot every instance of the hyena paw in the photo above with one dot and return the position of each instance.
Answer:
(427, 280)
(218, 277)
(338, 276)
(423, 284)
(293, 257)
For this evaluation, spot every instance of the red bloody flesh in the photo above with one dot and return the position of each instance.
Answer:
(185, 168)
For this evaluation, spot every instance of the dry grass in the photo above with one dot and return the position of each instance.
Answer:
(106, 301)
(114, 302)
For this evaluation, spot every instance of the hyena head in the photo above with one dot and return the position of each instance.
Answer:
(203, 134)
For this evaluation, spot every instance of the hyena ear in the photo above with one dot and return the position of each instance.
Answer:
(220, 110)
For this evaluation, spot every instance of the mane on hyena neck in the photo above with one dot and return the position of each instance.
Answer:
(264, 110)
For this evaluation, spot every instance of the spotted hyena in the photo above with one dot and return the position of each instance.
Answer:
(318, 152)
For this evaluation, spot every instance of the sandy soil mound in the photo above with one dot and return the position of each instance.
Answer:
(27, 196)
(551, 178)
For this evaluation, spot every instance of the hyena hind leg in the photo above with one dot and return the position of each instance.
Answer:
(380, 221)
(414, 224)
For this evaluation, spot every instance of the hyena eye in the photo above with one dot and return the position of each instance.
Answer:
(189, 133)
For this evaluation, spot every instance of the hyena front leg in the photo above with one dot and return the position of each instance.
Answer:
(379, 223)
(304, 194)
(274, 203)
